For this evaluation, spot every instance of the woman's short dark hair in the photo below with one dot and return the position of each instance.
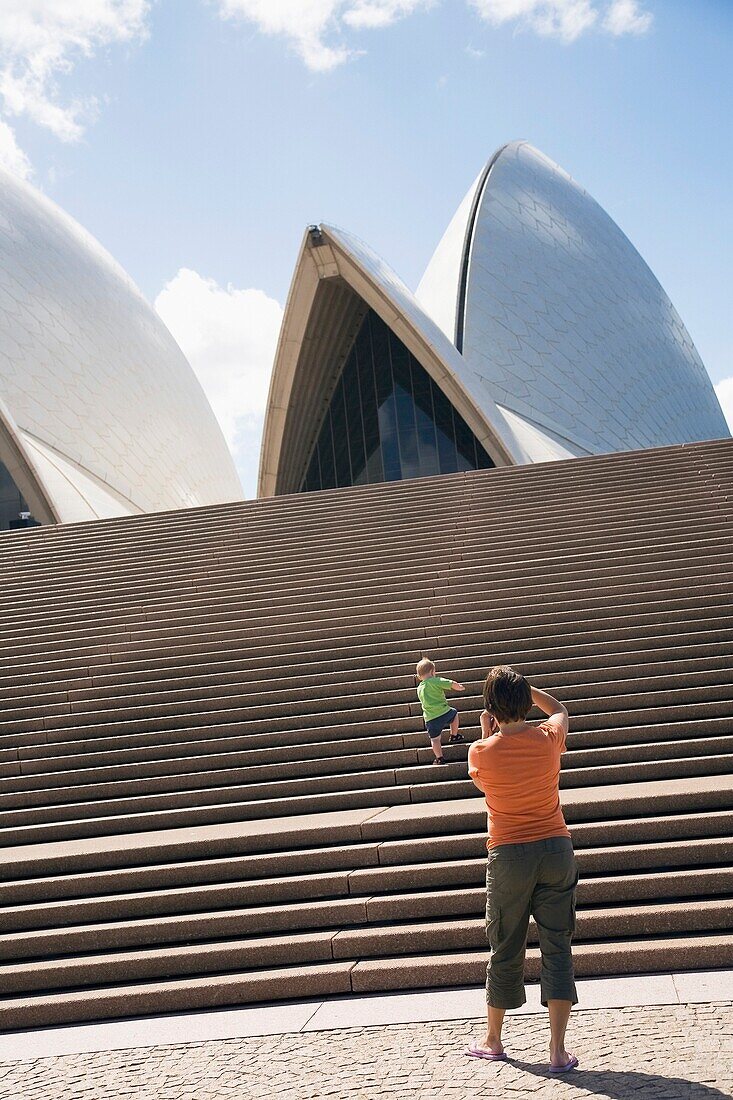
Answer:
(507, 694)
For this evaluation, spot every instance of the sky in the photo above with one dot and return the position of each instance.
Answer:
(196, 139)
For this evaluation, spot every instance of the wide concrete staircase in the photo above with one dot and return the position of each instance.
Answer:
(215, 786)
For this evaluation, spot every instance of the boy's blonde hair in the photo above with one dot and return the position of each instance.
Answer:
(425, 667)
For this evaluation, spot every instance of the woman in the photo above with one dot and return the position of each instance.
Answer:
(531, 866)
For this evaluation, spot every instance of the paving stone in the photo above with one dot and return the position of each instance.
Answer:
(675, 1052)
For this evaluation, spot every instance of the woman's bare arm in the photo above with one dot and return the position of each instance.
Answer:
(473, 769)
(547, 704)
(552, 707)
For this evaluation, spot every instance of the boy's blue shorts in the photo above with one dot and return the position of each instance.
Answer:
(436, 725)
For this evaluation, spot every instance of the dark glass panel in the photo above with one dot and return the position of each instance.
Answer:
(447, 458)
(387, 416)
(362, 477)
(312, 479)
(325, 455)
(386, 408)
(426, 440)
(388, 420)
(340, 438)
(367, 392)
(354, 425)
(465, 443)
(484, 462)
(405, 408)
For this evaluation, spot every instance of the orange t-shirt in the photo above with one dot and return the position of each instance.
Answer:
(519, 774)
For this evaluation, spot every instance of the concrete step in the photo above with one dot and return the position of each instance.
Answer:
(512, 485)
(605, 594)
(708, 757)
(314, 872)
(304, 902)
(363, 650)
(601, 728)
(471, 581)
(139, 578)
(227, 675)
(388, 691)
(213, 771)
(609, 747)
(265, 841)
(407, 640)
(645, 475)
(325, 534)
(614, 923)
(259, 953)
(465, 563)
(234, 593)
(322, 979)
(645, 955)
(443, 861)
(327, 979)
(272, 705)
(31, 767)
(704, 755)
(150, 591)
(459, 606)
(701, 792)
(704, 460)
(98, 692)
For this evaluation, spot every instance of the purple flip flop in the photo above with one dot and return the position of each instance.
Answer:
(571, 1064)
(476, 1052)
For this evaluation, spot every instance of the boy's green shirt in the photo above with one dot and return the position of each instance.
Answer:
(431, 693)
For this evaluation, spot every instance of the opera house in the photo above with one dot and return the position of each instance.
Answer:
(536, 333)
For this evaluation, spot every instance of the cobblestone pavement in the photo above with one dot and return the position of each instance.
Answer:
(661, 1053)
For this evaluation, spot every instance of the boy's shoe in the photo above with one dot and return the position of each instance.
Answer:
(456, 739)
(440, 760)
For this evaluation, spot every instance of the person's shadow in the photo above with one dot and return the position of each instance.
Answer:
(621, 1084)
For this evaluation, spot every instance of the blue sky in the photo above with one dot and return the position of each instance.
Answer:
(197, 138)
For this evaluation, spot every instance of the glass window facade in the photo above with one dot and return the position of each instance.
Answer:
(387, 420)
(14, 511)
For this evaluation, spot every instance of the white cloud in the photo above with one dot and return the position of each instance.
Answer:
(566, 19)
(40, 42)
(12, 156)
(380, 13)
(624, 17)
(724, 391)
(561, 18)
(229, 337)
(315, 28)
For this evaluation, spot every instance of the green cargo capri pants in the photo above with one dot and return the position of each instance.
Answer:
(522, 879)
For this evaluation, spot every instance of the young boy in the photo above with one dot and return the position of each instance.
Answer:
(436, 711)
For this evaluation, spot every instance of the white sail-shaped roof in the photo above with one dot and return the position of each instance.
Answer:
(562, 327)
(100, 413)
